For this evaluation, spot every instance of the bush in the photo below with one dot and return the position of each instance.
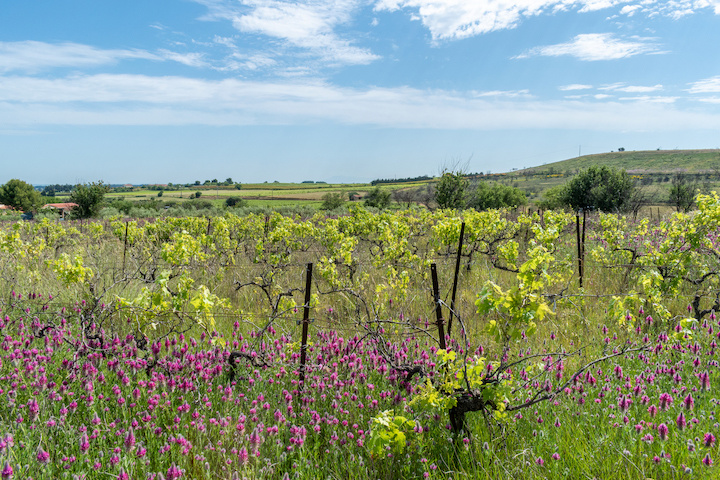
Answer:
(486, 196)
(600, 188)
(377, 198)
(235, 202)
(451, 190)
(682, 193)
(89, 198)
(553, 198)
(331, 201)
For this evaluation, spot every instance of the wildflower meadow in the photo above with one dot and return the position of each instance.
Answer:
(407, 344)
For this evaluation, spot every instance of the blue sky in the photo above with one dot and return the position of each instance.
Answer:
(181, 90)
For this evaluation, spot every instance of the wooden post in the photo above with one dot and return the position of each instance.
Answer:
(455, 280)
(583, 240)
(125, 246)
(305, 323)
(438, 308)
(579, 247)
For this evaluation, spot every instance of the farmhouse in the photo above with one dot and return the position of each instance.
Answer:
(64, 208)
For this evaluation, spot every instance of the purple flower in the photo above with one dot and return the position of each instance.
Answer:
(243, 456)
(705, 380)
(665, 401)
(174, 472)
(689, 402)
(43, 456)
(540, 461)
(707, 461)
(84, 443)
(7, 471)
(662, 431)
(709, 440)
(681, 422)
(129, 440)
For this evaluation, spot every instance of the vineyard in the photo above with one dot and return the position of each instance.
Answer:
(411, 344)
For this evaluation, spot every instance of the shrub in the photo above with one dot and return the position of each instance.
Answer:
(451, 190)
(486, 196)
(331, 201)
(377, 198)
(599, 188)
(235, 202)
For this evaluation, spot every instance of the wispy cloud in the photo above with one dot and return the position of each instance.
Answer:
(32, 56)
(574, 86)
(308, 25)
(595, 47)
(452, 19)
(621, 87)
(709, 85)
(144, 100)
(35, 57)
(524, 93)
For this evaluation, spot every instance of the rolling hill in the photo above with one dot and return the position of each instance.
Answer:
(649, 161)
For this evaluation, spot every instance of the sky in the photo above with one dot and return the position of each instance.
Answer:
(159, 91)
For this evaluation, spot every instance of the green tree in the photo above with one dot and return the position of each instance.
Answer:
(160, 193)
(682, 193)
(331, 201)
(490, 195)
(451, 189)
(20, 195)
(89, 198)
(235, 202)
(198, 194)
(377, 198)
(553, 198)
(601, 188)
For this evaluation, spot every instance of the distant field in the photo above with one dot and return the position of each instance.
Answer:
(267, 194)
(653, 169)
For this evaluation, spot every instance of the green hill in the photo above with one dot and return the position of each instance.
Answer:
(651, 161)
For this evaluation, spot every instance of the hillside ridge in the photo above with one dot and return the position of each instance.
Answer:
(641, 161)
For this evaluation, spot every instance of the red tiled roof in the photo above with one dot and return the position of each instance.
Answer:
(61, 206)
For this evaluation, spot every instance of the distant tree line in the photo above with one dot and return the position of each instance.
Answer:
(52, 190)
(400, 180)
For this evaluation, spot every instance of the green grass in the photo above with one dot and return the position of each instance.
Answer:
(648, 161)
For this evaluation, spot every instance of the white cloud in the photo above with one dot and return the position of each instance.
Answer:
(144, 100)
(649, 99)
(709, 85)
(503, 94)
(596, 46)
(621, 87)
(452, 19)
(574, 86)
(309, 25)
(630, 10)
(31, 56)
